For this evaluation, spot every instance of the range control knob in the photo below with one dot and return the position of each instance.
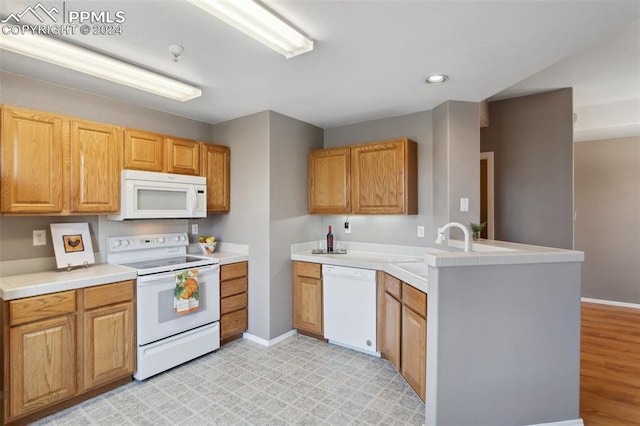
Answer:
(183, 238)
(116, 243)
(125, 243)
(161, 240)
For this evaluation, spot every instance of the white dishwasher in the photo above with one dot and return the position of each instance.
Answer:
(349, 307)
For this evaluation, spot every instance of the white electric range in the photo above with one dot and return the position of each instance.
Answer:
(166, 338)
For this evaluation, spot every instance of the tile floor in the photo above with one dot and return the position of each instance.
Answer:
(298, 381)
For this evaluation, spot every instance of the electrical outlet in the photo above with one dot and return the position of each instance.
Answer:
(347, 228)
(39, 237)
(194, 229)
(421, 231)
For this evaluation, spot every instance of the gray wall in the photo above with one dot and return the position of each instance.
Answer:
(456, 163)
(15, 90)
(268, 208)
(607, 200)
(389, 229)
(290, 142)
(248, 220)
(507, 341)
(532, 141)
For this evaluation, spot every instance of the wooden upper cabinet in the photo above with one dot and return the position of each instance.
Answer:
(329, 181)
(216, 168)
(372, 178)
(143, 151)
(183, 156)
(96, 161)
(32, 161)
(384, 177)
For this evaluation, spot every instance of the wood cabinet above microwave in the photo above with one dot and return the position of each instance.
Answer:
(371, 178)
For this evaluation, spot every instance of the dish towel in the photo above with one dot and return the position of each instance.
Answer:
(186, 297)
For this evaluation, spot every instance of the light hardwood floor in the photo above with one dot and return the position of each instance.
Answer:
(610, 365)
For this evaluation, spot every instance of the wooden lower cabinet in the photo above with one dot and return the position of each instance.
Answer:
(42, 364)
(391, 330)
(57, 348)
(414, 350)
(234, 300)
(307, 297)
(404, 331)
(108, 353)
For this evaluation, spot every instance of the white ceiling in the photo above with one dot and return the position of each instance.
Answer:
(371, 57)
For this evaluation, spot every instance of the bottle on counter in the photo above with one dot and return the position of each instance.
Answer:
(329, 241)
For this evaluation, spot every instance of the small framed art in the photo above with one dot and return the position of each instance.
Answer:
(72, 244)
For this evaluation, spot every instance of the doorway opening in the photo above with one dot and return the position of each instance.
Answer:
(487, 195)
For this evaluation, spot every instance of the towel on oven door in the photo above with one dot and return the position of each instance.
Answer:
(186, 296)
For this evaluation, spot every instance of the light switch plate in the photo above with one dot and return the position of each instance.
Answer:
(464, 204)
(421, 231)
(194, 229)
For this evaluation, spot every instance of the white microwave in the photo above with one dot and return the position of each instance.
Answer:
(151, 195)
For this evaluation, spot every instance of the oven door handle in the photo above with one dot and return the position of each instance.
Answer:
(150, 279)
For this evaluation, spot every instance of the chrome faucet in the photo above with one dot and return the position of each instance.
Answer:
(467, 239)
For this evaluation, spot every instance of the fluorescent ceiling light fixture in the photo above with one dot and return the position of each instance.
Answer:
(98, 65)
(437, 78)
(255, 21)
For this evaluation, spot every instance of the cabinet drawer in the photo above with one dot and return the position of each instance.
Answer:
(233, 303)
(392, 286)
(233, 270)
(40, 307)
(233, 323)
(237, 286)
(108, 294)
(306, 269)
(414, 299)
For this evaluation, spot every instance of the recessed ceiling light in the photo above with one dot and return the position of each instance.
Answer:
(437, 78)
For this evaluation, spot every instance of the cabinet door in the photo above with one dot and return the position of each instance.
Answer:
(392, 312)
(43, 364)
(183, 156)
(216, 168)
(109, 345)
(414, 350)
(384, 178)
(307, 304)
(96, 160)
(143, 151)
(329, 181)
(32, 161)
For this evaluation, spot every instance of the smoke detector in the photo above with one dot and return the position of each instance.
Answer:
(176, 50)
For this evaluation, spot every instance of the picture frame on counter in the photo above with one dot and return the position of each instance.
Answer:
(72, 244)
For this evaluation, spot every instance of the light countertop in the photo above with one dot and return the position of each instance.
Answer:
(410, 264)
(38, 283)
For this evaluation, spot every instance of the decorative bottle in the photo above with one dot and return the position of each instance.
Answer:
(329, 241)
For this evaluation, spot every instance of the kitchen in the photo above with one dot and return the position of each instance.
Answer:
(262, 216)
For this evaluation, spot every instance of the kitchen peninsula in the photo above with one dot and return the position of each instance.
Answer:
(503, 327)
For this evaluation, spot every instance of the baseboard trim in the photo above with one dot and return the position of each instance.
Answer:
(611, 303)
(267, 343)
(576, 422)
